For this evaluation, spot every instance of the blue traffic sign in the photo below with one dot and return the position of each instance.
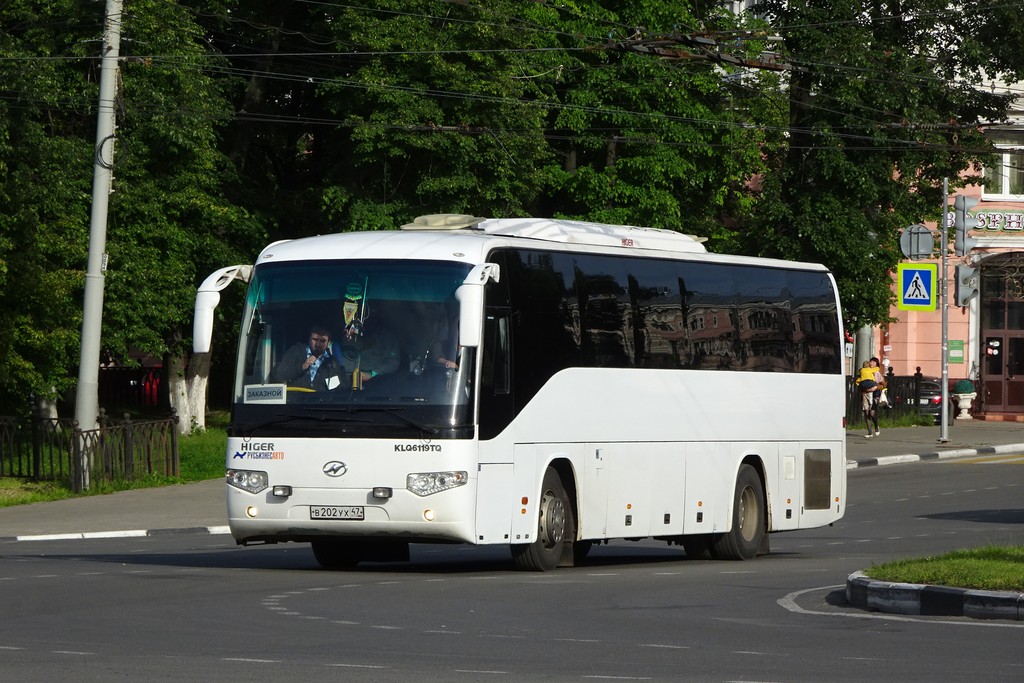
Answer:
(917, 285)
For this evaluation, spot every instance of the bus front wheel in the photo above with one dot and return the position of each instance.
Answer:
(748, 519)
(555, 528)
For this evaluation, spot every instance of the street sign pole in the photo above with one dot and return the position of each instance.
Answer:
(944, 247)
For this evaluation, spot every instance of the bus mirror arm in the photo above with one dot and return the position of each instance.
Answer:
(207, 298)
(470, 295)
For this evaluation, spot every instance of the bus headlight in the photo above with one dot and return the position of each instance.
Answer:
(427, 483)
(248, 480)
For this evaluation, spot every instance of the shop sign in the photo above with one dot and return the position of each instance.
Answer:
(1000, 220)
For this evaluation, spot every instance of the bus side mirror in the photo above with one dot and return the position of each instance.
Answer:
(470, 296)
(207, 299)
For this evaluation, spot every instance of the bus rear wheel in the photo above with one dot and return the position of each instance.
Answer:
(748, 519)
(555, 528)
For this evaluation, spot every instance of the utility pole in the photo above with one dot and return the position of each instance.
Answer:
(944, 413)
(87, 396)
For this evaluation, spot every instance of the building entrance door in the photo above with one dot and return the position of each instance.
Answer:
(1002, 334)
(1002, 373)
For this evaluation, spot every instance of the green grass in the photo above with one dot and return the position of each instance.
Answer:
(999, 568)
(201, 457)
(16, 491)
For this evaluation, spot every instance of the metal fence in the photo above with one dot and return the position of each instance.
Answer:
(904, 394)
(46, 449)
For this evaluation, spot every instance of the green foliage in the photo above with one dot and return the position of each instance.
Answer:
(444, 114)
(169, 222)
(240, 123)
(648, 141)
(45, 172)
(963, 386)
(880, 111)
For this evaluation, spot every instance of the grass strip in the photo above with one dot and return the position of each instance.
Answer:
(992, 567)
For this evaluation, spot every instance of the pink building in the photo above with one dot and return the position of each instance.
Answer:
(986, 337)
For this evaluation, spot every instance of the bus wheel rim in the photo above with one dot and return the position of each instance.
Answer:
(552, 526)
(748, 514)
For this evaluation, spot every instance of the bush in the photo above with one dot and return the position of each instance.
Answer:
(964, 386)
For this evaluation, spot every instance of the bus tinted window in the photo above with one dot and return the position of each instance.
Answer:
(588, 310)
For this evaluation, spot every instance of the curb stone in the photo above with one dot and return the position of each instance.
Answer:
(131, 533)
(964, 452)
(935, 601)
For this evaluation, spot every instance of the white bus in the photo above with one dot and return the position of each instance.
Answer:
(541, 384)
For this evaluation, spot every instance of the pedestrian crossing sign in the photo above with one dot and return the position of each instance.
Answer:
(917, 284)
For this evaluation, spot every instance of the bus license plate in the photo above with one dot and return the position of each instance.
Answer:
(335, 511)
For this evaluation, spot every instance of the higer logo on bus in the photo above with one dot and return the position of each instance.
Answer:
(335, 468)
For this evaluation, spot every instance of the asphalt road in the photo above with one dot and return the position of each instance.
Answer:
(189, 605)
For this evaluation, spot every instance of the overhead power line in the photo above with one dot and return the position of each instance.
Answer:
(704, 47)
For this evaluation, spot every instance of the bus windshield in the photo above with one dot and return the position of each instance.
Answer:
(353, 348)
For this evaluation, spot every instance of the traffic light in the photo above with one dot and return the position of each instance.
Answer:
(966, 284)
(963, 224)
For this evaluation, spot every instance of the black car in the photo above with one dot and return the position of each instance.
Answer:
(930, 400)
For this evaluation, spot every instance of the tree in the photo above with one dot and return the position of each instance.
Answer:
(171, 223)
(656, 138)
(510, 108)
(883, 104)
(45, 176)
(441, 113)
(247, 122)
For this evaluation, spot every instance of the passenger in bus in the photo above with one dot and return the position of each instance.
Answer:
(444, 349)
(369, 352)
(311, 364)
(439, 346)
(446, 363)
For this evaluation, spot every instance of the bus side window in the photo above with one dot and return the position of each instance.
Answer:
(496, 369)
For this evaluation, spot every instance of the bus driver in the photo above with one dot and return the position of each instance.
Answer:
(310, 365)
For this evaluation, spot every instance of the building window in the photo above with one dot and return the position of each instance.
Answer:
(1006, 181)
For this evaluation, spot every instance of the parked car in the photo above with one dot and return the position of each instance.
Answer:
(930, 400)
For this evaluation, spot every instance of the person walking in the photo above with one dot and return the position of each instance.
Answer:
(867, 383)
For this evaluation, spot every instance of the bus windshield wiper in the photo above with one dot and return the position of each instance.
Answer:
(429, 429)
(317, 416)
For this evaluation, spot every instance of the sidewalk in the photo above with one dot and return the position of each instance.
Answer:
(912, 444)
(140, 512)
(201, 506)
